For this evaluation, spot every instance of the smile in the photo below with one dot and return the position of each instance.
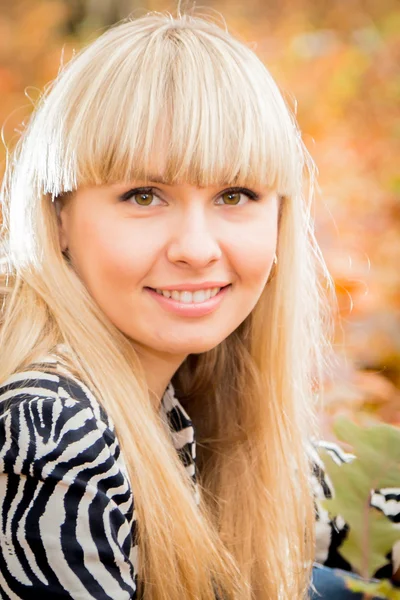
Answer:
(190, 304)
(187, 297)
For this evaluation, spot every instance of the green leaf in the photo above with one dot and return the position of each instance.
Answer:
(377, 447)
(372, 534)
(378, 589)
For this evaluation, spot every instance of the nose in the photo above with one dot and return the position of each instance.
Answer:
(194, 241)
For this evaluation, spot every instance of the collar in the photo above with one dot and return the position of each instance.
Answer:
(182, 433)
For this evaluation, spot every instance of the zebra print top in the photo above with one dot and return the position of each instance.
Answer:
(67, 513)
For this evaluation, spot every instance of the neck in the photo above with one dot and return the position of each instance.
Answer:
(159, 369)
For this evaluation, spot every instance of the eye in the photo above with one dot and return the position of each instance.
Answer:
(140, 196)
(232, 197)
(146, 196)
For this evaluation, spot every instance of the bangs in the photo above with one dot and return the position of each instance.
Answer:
(180, 104)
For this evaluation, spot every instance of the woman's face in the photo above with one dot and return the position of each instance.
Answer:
(123, 241)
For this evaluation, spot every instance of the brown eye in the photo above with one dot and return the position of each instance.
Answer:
(231, 197)
(237, 196)
(144, 198)
(141, 197)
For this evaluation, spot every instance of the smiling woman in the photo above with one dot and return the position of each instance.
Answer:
(187, 239)
(159, 261)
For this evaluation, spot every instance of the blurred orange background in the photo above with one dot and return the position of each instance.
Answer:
(337, 64)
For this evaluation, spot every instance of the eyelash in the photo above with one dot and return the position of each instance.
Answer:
(147, 190)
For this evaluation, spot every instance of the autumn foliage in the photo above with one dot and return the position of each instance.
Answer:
(337, 63)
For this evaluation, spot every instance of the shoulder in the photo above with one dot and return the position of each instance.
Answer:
(48, 379)
(48, 416)
(64, 490)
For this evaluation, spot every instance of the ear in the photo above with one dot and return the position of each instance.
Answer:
(63, 221)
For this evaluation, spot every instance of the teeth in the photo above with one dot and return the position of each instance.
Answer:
(187, 297)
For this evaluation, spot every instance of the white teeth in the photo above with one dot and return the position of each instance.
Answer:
(187, 297)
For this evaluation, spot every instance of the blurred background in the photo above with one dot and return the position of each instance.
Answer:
(337, 64)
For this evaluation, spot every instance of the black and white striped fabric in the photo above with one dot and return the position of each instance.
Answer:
(67, 512)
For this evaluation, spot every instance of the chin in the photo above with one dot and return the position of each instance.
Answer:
(191, 347)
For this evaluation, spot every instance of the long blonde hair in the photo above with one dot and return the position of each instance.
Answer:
(185, 84)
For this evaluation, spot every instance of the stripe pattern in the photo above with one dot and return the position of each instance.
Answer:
(67, 514)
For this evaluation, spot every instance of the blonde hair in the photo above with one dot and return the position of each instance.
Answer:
(185, 85)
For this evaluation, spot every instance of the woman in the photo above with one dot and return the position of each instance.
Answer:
(160, 262)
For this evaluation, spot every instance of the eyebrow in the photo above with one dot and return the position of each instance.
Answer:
(152, 178)
(156, 179)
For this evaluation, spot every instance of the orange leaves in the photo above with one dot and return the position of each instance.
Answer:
(339, 64)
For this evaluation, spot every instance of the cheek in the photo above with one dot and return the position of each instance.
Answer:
(254, 251)
(108, 255)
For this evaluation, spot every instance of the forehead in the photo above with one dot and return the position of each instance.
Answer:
(222, 122)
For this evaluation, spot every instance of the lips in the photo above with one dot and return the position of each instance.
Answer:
(184, 308)
(147, 287)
